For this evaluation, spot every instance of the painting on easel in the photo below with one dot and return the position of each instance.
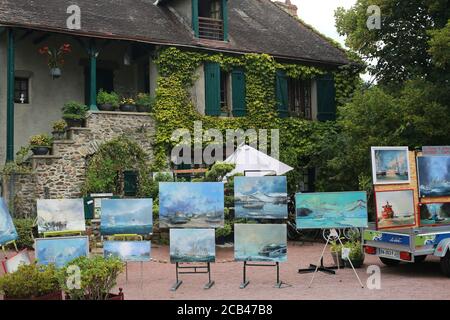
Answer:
(60, 251)
(131, 251)
(192, 245)
(13, 263)
(56, 215)
(7, 230)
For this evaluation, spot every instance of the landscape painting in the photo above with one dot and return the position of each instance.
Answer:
(260, 197)
(390, 165)
(130, 251)
(60, 251)
(192, 245)
(435, 214)
(191, 205)
(395, 209)
(327, 210)
(12, 264)
(7, 229)
(260, 242)
(60, 215)
(127, 216)
(434, 176)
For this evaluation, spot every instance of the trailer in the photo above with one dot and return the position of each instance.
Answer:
(411, 245)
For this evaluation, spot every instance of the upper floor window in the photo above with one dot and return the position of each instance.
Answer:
(210, 19)
(299, 98)
(21, 90)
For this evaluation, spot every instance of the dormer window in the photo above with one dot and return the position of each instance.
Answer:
(210, 19)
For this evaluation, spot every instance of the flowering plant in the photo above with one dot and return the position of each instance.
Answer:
(129, 101)
(55, 56)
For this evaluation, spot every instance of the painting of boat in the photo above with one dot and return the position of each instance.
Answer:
(7, 229)
(56, 215)
(435, 214)
(395, 209)
(192, 245)
(390, 165)
(434, 176)
(60, 251)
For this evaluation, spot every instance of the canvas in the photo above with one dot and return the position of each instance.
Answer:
(192, 245)
(260, 197)
(127, 216)
(7, 229)
(60, 215)
(327, 210)
(395, 209)
(435, 214)
(132, 251)
(260, 242)
(434, 176)
(390, 165)
(60, 251)
(13, 263)
(191, 205)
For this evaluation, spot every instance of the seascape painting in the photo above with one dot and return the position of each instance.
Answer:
(390, 165)
(12, 264)
(435, 214)
(260, 197)
(60, 251)
(60, 215)
(260, 242)
(129, 251)
(191, 205)
(126, 216)
(434, 176)
(7, 229)
(192, 245)
(327, 210)
(395, 209)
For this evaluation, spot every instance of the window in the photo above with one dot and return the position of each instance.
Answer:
(224, 103)
(299, 98)
(21, 90)
(209, 19)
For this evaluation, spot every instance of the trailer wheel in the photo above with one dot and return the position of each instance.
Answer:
(419, 259)
(445, 264)
(389, 262)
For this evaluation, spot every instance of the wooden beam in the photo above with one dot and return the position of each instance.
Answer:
(41, 38)
(25, 35)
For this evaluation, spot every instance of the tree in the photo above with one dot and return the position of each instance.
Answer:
(440, 46)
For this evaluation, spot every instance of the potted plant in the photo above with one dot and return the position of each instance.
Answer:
(74, 113)
(59, 130)
(336, 253)
(98, 277)
(356, 254)
(31, 282)
(128, 105)
(55, 58)
(107, 101)
(144, 102)
(40, 144)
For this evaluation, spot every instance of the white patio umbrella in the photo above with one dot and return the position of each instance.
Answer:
(253, 162)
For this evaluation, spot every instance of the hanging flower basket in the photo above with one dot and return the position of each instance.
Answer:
(55, 58)
(55, 72)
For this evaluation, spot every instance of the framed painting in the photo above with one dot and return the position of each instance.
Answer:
(7, 229)
(129, 251)
(434, 214)
(13, 263)
(260, 197)
(260, 242)
(60, 215)
(395, 209)
(191, 204)
(192, 245)
(60, 251)
(390, 165)
(327, 210)
(126, 216)
(434, 176)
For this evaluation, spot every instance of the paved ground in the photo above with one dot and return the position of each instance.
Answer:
(407, 281)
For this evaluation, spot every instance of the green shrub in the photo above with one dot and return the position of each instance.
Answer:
(74, 110)
(145, 100)
(26, 232)
(104, 97)
(59, 126)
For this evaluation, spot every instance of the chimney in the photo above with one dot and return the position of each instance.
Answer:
(288, 7)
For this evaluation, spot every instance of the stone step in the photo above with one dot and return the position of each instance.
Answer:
(35, 160)
(60, 146)
(78, 135)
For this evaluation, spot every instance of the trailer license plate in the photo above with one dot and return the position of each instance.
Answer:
(389, 253)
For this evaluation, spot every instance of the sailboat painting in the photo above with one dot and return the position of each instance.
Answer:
(60, 251)
(260, 197)
(395, 209)
(7, 230)
(127, 216)
(60, 215)
(390, 165)
(192, 245)
(326, 210)
(434, 176)
(435, 214)
(129, 251)
(191, 204)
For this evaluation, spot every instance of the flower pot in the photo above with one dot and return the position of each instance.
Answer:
(59, 135)
(74, 123)
(40, 150)
(337, 257)
(111, 296)
(57, 295)
(127, 108)
(55, 72)
(141, 108)
(106, 107)
(357, 263)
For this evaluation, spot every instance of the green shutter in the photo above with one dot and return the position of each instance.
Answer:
(282, 94)
(326, 98)
(212, 89)
(225, 19)
(238, 91)
(195, 18)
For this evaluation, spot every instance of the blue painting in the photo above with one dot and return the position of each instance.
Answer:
(434, 176)
(60, 215)
(7, 230)
(191, 205)
(327, 210)
(435, 214)
(260, 197)
(133, 251)
(127, 216)
(390, 165)
(260, 242)
(192, 245)
(60, 251)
